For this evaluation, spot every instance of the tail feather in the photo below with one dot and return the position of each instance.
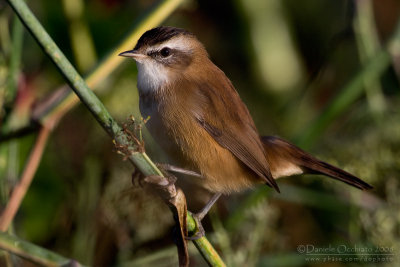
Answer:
(286, 159)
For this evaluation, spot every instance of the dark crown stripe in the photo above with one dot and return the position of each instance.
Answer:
(159, 35)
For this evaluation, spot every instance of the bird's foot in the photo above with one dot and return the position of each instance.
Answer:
(198, 217)
(199, 227)
(161, 185)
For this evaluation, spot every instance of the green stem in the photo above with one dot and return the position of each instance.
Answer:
(348, 95)
(63, 99)
(71, 75)
(204, 246)
(81, 40)
(34, 253)
(12, 88)
(372, 70)
(368, 44)
(150, 19)
(15, 60)
(140, 160)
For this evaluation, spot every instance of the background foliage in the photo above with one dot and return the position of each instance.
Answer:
(288, 60)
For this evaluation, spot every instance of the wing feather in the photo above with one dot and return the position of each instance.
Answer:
(220, 111)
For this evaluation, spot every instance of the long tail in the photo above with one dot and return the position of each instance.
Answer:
(286, 159)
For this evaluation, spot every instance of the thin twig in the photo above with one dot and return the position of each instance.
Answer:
(140, 160)
(34, 253)
(204, 246)
(31, 128)
(63, 100)
(15, 61)
(21, 188)
(152, 18)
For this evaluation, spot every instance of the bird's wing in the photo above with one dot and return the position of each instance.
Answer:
(219, 110)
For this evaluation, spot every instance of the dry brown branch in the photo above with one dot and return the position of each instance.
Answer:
(21, 188)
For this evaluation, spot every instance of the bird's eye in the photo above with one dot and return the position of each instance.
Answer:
(165, 52)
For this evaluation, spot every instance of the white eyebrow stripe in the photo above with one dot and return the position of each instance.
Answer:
(177, 43)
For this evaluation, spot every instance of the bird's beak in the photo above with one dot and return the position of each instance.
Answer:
(132, 53)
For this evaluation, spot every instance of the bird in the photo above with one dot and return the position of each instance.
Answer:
(199, 120)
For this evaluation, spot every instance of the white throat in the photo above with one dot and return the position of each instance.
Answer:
(151, 76)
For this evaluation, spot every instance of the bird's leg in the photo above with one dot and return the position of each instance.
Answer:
(198, 217)
(166, 169)
(172, 168)
(164, 186)
(203, 212)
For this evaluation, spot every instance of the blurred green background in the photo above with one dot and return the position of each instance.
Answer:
(289, 60)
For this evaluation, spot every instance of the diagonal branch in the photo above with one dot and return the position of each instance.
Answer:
(34, 253)
(65, 99)
(49, 111)
(22, 187)
(139, 159)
